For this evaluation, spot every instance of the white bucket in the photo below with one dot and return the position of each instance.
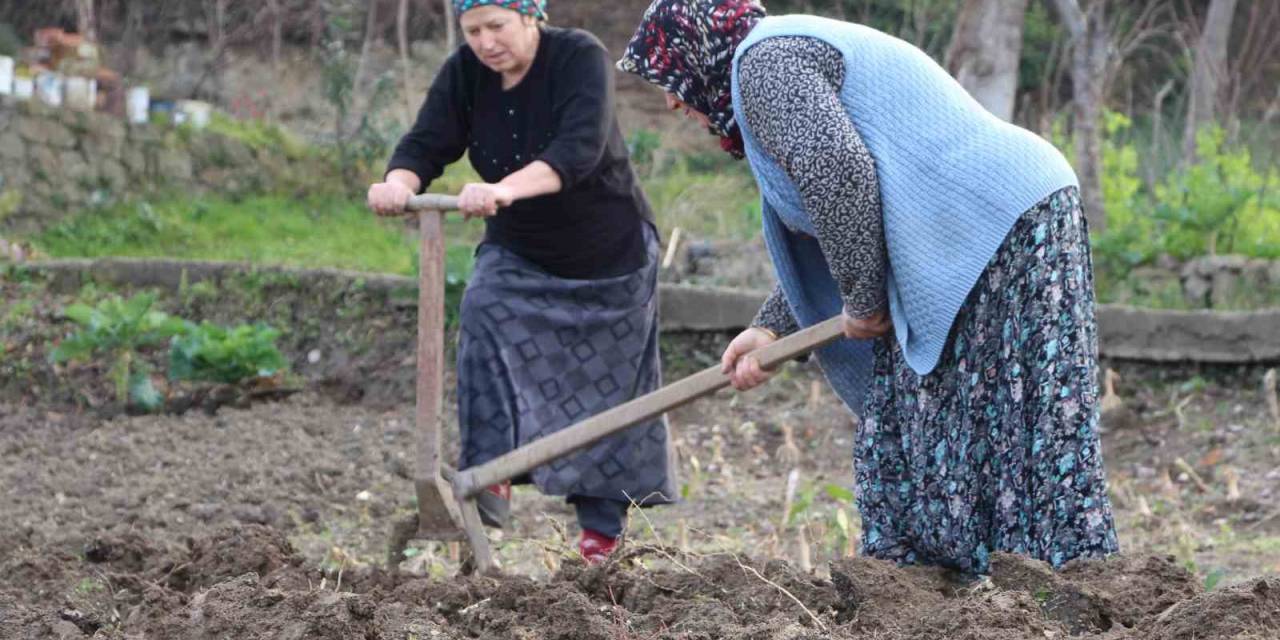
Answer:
(23, 87)
(49, 88)
(195, 112)
(137, 105)
(6, 75)
(81, 93)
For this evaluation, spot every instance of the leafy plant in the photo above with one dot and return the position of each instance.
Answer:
(835, 522)
(643, 145)
(118, 329)
(1219, 203)
(213, 353)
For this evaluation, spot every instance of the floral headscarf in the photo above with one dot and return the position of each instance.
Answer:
(686, 47)
(534, 8)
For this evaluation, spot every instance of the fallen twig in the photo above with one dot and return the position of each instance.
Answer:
(783, 591)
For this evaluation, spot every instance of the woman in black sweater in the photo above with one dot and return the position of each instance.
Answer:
(559, 320)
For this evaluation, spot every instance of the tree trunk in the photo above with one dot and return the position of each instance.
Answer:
(402, 35)
(1090, 41)
(451, 27)
(85, 21)
(277, 33)
(370, 32)
(132, 39)
(1209, 72)
(985, 49)
(217, 14)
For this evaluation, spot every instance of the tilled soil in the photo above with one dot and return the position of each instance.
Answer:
(274, 521)
(246, 581)
(268, 523)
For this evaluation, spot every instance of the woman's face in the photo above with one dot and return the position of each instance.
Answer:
(675, 104)
(504, 40)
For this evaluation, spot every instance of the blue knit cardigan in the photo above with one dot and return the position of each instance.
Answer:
(953, 181)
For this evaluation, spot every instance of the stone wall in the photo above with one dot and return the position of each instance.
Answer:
(57, 162)
(1224, 282)
(1126, 333)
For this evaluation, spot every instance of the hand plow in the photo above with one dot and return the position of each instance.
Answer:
(446, 498)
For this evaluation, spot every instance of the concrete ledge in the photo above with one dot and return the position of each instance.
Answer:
(690, 308)
(1159, 335)
(1126, 333)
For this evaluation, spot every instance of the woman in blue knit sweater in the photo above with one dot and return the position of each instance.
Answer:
(955, 247)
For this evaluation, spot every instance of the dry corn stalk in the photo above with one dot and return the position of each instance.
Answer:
(1273, 402)
(789, 495)
(1144, 509)
(1186, 468)
(815, 394)
(673, 245)
(1233, 483)
(787, 454)
(717, 456)
(803, 560)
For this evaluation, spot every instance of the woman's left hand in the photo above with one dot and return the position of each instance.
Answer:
(481, 200)
(867, 328)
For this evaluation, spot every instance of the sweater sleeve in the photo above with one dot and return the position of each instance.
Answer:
(442, 130)
(583, 103)
(790, 94)
(775, 315)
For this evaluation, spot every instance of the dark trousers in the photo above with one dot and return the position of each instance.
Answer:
(602, 515)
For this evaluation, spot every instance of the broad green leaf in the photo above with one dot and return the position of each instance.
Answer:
(143, 393)
(839, 493)
(79, 313)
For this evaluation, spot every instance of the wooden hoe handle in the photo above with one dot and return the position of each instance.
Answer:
(468, 483)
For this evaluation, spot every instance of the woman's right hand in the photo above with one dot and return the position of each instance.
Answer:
(744, 370)
(389, 198)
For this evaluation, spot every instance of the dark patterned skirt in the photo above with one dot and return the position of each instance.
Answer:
(997, 448)
(539, 353)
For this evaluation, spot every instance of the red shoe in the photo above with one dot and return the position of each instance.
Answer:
(501, 490)
(494, 504)
(595, 547)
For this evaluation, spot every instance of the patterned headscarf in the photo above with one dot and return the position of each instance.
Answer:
(686, 47)
(534, 8)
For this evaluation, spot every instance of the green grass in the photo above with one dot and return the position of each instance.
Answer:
(708, 194)
(716, 201)
(264, 229)
(705, 192)
(268, 229)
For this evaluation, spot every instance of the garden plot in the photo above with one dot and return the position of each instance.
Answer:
(273, 519)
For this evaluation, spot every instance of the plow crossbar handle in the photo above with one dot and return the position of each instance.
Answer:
(431, 202)
(466, 484)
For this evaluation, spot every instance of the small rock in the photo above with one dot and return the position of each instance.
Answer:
(250, 514)
(204, 511)
(313, 356)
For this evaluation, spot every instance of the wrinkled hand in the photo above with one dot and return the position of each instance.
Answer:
(744, 370)
(875, 326)
(388, 198)
(480, 200)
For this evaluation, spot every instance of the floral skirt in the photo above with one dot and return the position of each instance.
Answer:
(997, 448)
